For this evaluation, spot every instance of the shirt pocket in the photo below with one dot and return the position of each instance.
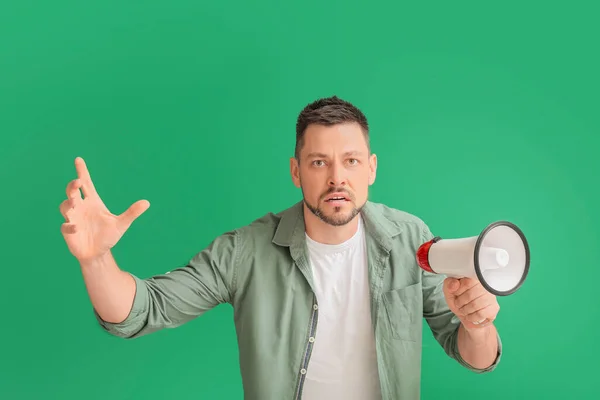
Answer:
(404, 311)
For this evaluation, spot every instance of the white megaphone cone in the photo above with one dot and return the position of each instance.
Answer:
(498, 257)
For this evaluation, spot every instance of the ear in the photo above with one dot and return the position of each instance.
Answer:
(295, 171)
(372, 168)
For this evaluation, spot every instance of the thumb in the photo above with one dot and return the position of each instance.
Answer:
(452, 284)
(134, 211)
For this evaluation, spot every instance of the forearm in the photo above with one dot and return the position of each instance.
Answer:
(478, 347)
(111, 290)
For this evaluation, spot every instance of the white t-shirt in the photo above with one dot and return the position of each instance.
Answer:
(343, 364)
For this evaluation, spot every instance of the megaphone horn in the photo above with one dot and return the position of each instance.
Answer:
(498, 257)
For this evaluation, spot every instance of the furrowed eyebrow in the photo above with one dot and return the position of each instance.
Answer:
(316, 155)
(353, 153)
(322, 155)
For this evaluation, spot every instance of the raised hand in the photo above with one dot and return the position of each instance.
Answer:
(90, 229)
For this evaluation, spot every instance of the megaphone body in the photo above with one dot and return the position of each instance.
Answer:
(498, 257)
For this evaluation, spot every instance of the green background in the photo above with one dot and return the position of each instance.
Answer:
(478, 113)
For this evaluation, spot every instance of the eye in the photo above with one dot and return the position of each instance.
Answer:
(318, 163)
(353, 161)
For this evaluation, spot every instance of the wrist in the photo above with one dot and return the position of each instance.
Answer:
(478, 334)
(96, 262)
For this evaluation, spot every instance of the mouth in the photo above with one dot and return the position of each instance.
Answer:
(337, 198)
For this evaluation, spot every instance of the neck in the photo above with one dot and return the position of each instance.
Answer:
(322, 232)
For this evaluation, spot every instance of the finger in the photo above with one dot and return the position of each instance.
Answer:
(476, 304)
(133, 212)
(468, 296)
(484, 323)
(466, 284)
(84, 175)
(66, 207)
(73, 189)
(68, 228)
(451, 284)
(486, 313)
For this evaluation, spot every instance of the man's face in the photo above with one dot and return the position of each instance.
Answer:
(334, 171)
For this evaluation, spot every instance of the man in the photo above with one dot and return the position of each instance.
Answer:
(327, 295)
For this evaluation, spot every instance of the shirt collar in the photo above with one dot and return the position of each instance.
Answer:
(291, 230)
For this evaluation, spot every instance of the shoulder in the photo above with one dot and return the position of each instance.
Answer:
(396, 220)
(395, 215)
(270, 228)
(262, 227)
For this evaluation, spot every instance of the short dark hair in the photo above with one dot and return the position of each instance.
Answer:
(328, 111)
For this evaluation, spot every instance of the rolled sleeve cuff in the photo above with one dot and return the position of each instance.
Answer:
(137, 317)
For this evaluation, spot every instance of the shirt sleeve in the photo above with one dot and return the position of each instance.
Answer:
(176, 297)
(441, 320)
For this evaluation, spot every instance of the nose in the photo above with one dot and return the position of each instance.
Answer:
(336, 176)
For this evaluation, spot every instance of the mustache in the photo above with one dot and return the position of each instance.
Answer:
(337, 190)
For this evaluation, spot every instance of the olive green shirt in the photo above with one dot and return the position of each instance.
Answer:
(263, 271)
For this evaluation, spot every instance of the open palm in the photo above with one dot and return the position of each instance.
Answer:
(90, 229)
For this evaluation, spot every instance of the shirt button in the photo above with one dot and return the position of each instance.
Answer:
(303, 371)
(315, 307)
(311, 339)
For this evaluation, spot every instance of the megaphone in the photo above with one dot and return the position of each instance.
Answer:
(498, 257)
